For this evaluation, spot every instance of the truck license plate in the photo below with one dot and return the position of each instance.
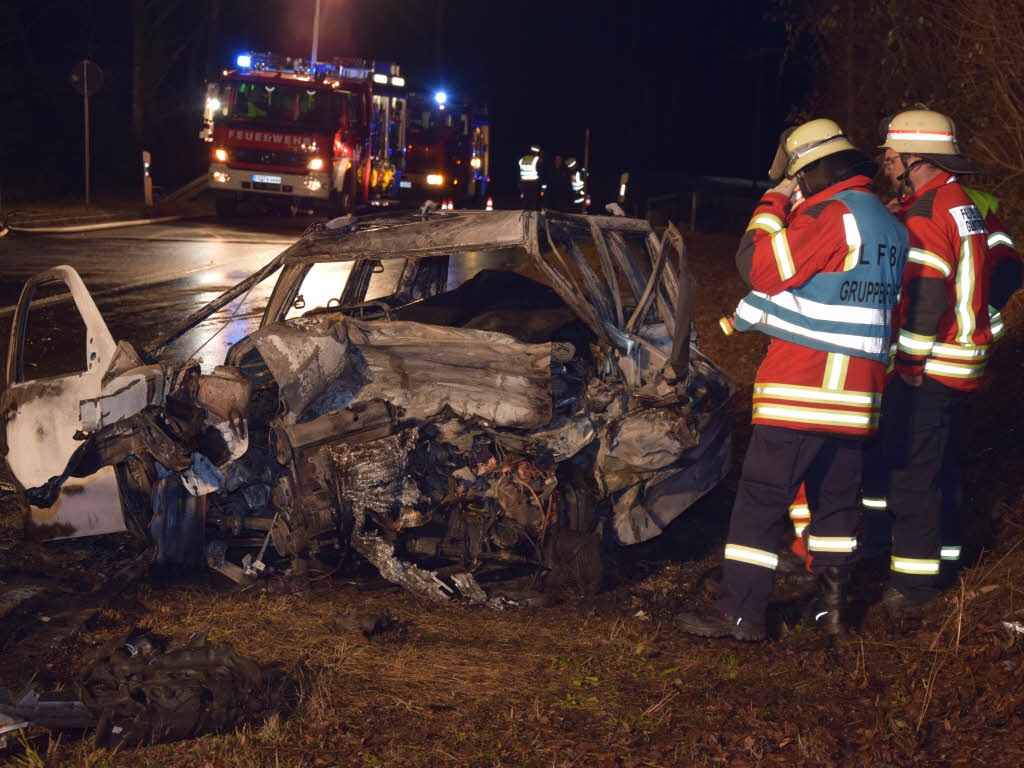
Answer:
(405, 184)
(263, 179)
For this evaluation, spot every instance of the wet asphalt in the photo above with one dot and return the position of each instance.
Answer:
(145, 279)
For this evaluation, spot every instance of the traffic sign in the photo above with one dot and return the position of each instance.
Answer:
(86, 77)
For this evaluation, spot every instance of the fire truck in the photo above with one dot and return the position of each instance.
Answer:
(447, 154)
(323, 135)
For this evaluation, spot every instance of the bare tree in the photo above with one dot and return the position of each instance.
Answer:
(873, 57)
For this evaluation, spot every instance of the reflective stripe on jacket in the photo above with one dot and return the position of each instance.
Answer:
(944, 329)
(823, 278)
(1003, 268)
(846, 304)
(576, 182)
(528, 168)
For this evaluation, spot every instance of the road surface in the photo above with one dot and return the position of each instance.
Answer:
(144, 279)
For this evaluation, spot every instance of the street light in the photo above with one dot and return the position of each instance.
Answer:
(316, 32)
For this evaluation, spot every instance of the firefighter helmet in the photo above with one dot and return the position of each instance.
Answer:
(812, 141)
(883, 124)
(778, 169)
(932, 135)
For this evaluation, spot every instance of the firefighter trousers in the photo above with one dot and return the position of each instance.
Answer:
(923, 431)
(876, 519)
(778, 459)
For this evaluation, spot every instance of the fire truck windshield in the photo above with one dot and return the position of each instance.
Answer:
(279, 104)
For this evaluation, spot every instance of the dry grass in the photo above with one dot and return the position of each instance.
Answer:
(451, 681)
(587, 683)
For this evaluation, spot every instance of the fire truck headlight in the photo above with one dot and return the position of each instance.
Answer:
(313, 185)
(475, 162)
(213, 104)
(220, 177)
(221, 155)
(316, 164)
(435, 180)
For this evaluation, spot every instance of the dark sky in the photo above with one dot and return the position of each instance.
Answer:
(664, 86)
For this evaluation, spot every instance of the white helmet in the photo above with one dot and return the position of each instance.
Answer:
(932, 135)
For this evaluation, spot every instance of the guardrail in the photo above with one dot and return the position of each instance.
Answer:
(709, 203)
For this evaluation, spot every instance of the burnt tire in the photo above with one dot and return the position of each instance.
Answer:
(574, 559)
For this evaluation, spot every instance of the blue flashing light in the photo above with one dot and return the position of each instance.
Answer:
(440, 97)
(244, 60)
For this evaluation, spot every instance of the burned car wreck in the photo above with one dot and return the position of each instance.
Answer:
(447, 433)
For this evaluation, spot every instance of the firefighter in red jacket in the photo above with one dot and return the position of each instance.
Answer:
(942, 348)
(824, 281)
(1003, 275)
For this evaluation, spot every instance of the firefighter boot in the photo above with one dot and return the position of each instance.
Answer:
(718, 624)
(831, 613)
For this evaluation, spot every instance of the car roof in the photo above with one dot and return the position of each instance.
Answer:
(406, 235)
(410, 235)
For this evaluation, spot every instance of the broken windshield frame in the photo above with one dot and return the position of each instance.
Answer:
(383, 237)
(404, 235)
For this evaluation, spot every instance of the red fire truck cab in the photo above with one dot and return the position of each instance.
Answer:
(448, 149)
(327, 135)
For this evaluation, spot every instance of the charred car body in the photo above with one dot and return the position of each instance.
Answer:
(443, 433)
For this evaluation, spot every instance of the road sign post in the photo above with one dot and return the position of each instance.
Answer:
(87, 79)
(85, 102)
(147, 180)
(586, 170)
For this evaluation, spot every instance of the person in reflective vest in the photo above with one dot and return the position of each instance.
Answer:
(531, 168)
(1004, 271)
(941, 350)
(577, 202)
(794, 558)
(825, 280)
(1004, 263)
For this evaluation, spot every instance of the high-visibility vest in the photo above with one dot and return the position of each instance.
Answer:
(948, 237)
(576, 181)
(848, 311)
(1000, 246)
(528, 167)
